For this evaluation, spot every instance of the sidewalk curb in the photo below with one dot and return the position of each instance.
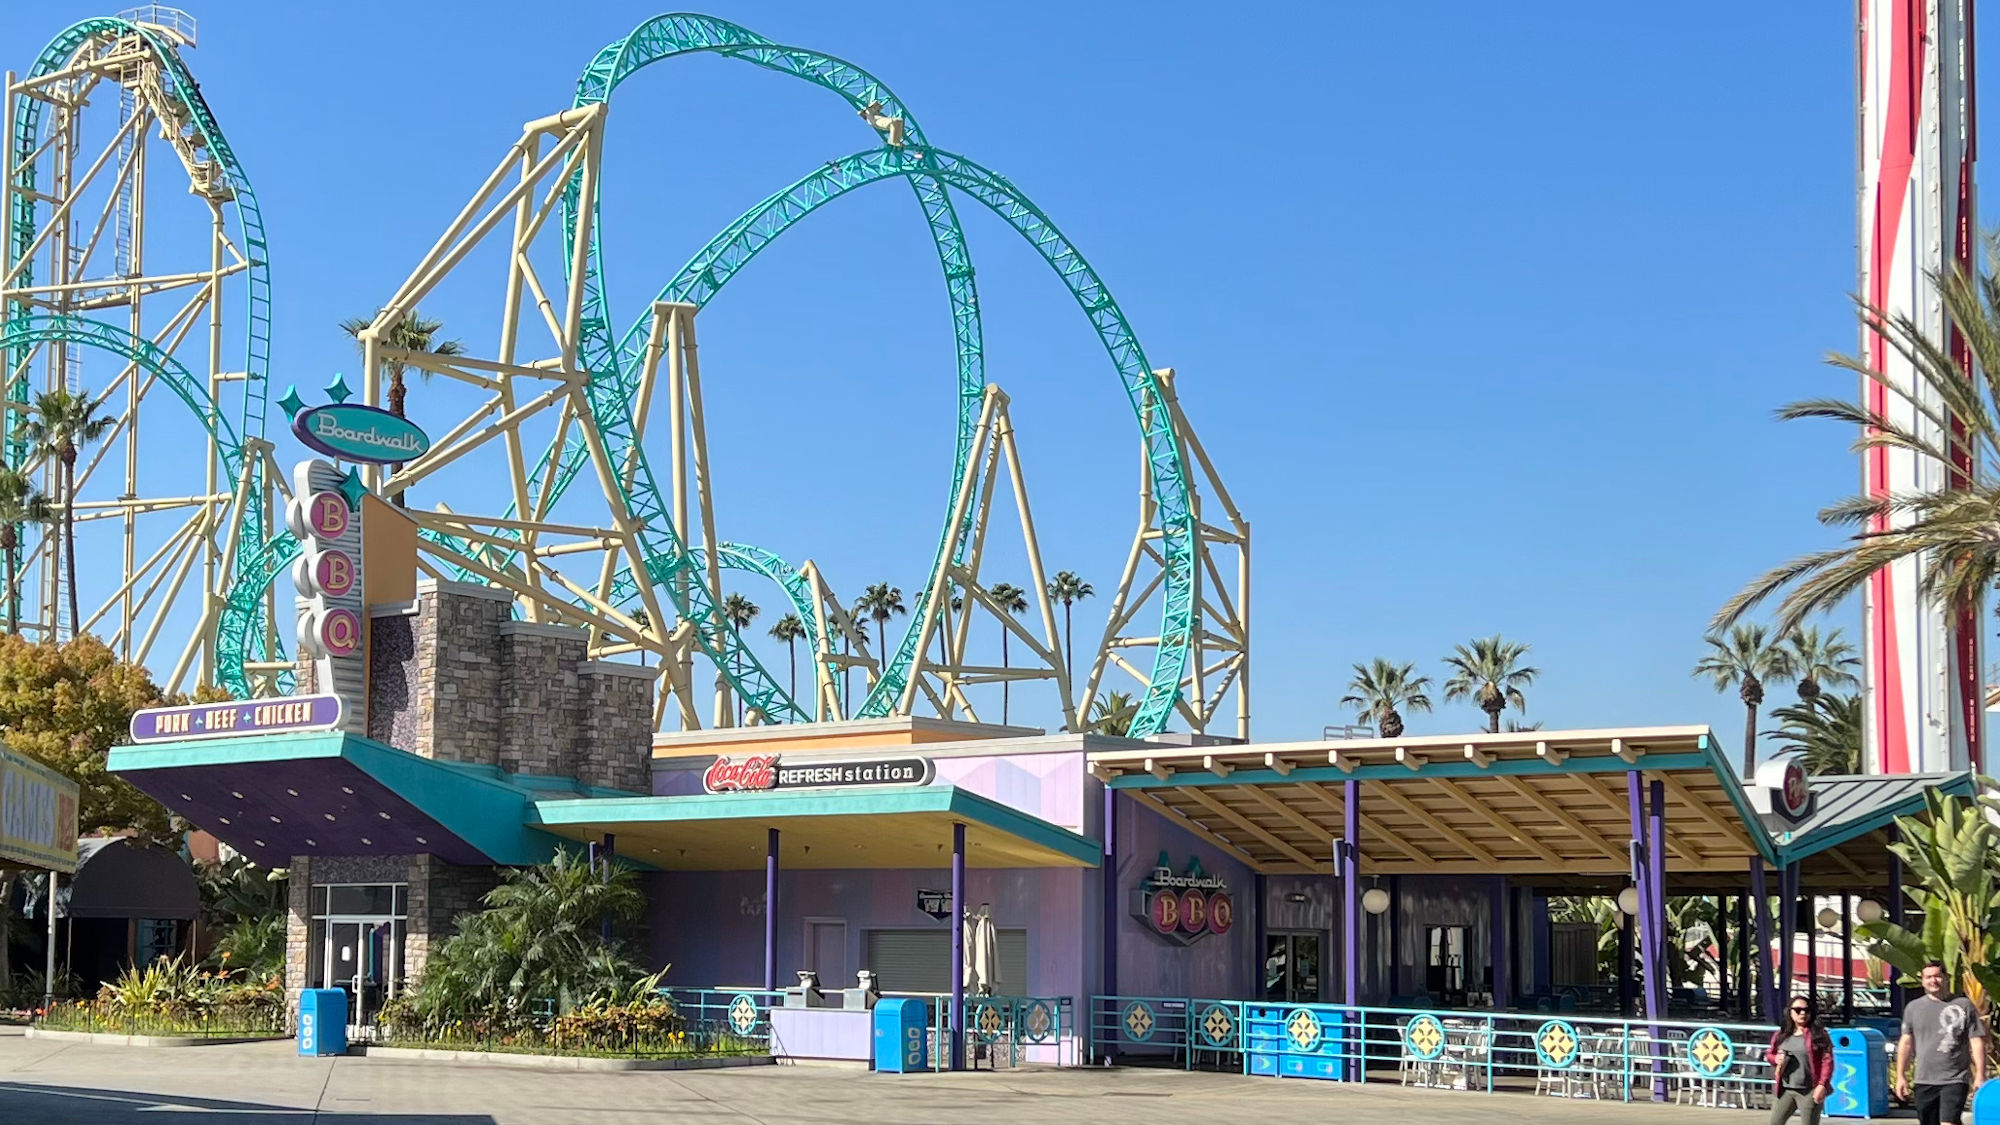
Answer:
(553, 1062)
(110, 1039)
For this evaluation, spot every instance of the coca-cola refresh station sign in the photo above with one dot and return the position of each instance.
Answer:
(762, 773)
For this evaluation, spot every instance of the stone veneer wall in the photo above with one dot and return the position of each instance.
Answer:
(617, 729)
(518, 695)
(541, 707)
(438, 894)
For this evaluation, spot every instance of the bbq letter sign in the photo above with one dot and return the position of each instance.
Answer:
(1184, 908)
(325, 516)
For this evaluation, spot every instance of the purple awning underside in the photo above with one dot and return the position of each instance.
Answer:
(272, 811)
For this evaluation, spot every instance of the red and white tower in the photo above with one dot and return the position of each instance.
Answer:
(1914, 79)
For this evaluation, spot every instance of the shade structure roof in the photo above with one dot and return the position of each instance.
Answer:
(276, 796)
(1551, 808)
(886, 827)
(1844, 842)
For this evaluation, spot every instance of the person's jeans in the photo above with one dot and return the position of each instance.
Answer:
(1790, 1101)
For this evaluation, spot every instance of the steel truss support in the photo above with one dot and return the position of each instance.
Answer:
(959, 593)
(1219, 669)
(80, 274)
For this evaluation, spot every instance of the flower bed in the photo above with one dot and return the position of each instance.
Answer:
(245, 1023)
(649, 1028)
(172, 999)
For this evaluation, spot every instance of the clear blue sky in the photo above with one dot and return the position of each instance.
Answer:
(1483, 310)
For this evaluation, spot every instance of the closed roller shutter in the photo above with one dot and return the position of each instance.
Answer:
(920, 960)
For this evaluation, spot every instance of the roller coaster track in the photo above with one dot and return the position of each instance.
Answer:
(26, 329)
(615, 371)
(615, 363)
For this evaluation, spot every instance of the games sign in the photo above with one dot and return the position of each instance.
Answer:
(1184, 908)
(761, 773)
(325, 516)
(37, 814)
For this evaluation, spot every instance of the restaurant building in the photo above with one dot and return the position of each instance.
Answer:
(449, 740)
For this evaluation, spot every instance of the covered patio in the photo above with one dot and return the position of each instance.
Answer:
(1646, 814)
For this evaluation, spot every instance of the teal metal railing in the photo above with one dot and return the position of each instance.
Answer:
(716, 1014)
(1006, 1031)
(1704, 1063)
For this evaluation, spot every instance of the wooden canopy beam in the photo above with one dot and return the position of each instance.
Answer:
(1452, 835)
(1252, 827)
(1485, 812)
(1563, 817)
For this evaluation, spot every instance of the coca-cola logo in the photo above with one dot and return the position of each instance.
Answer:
(749, 775)
(1796, 792)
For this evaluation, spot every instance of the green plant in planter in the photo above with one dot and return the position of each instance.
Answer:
(1950, 873)
(539, 941)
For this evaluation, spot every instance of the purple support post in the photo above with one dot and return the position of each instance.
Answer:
(1895, 905)
(958, 947)
(771, 910)
(609, 852)
(1642, 878)
(1722, 952)
(1109, 871)
(1350, 893)
(1656, 958)
(1745, 983)
(1625, 973)
(1502, 951)
(1395, 937)
(1847, 958)
(1788, 920)
(1767, 994)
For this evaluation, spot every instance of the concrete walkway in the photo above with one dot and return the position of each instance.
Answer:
(44, 1083)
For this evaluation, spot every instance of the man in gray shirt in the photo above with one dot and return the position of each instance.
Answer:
(1943, 1033)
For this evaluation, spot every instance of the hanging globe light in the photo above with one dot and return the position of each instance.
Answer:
(1868, 910)
(1375, 900)
(1628, 900)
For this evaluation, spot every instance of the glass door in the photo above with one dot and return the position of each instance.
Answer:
(1291, 973)
(359, 961)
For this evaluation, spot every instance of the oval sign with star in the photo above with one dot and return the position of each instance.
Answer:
(352, 431)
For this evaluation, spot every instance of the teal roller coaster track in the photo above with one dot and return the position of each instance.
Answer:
(615, 363)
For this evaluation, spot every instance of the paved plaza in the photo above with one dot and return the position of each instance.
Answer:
(44, 1083)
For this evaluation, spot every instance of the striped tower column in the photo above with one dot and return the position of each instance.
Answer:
(1916, 218)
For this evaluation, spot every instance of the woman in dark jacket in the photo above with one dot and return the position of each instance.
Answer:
(1801, 1056)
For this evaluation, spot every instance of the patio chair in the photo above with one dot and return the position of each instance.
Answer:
(1465, 1055)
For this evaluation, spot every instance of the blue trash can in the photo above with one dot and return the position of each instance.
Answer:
(1860, 1074)
(1986, 1105)
(322, 1022)
(902, 1036)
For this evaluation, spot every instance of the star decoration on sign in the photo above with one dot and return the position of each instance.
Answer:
(352, 488)
(291, 404)
(337, 390)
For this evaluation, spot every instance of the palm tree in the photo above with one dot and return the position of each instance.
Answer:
(1068, 589)
(1821, 661)
(1488, 671)
(881, 601)
(20, 502)
(1954, 524)
(1014, 600)
(788, 630)
(1747, 659)
(1381, 690)
(413, 333)
(59, 425)
(739, 611)
(645, 621)
(1113, 713)
(1826, 734)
